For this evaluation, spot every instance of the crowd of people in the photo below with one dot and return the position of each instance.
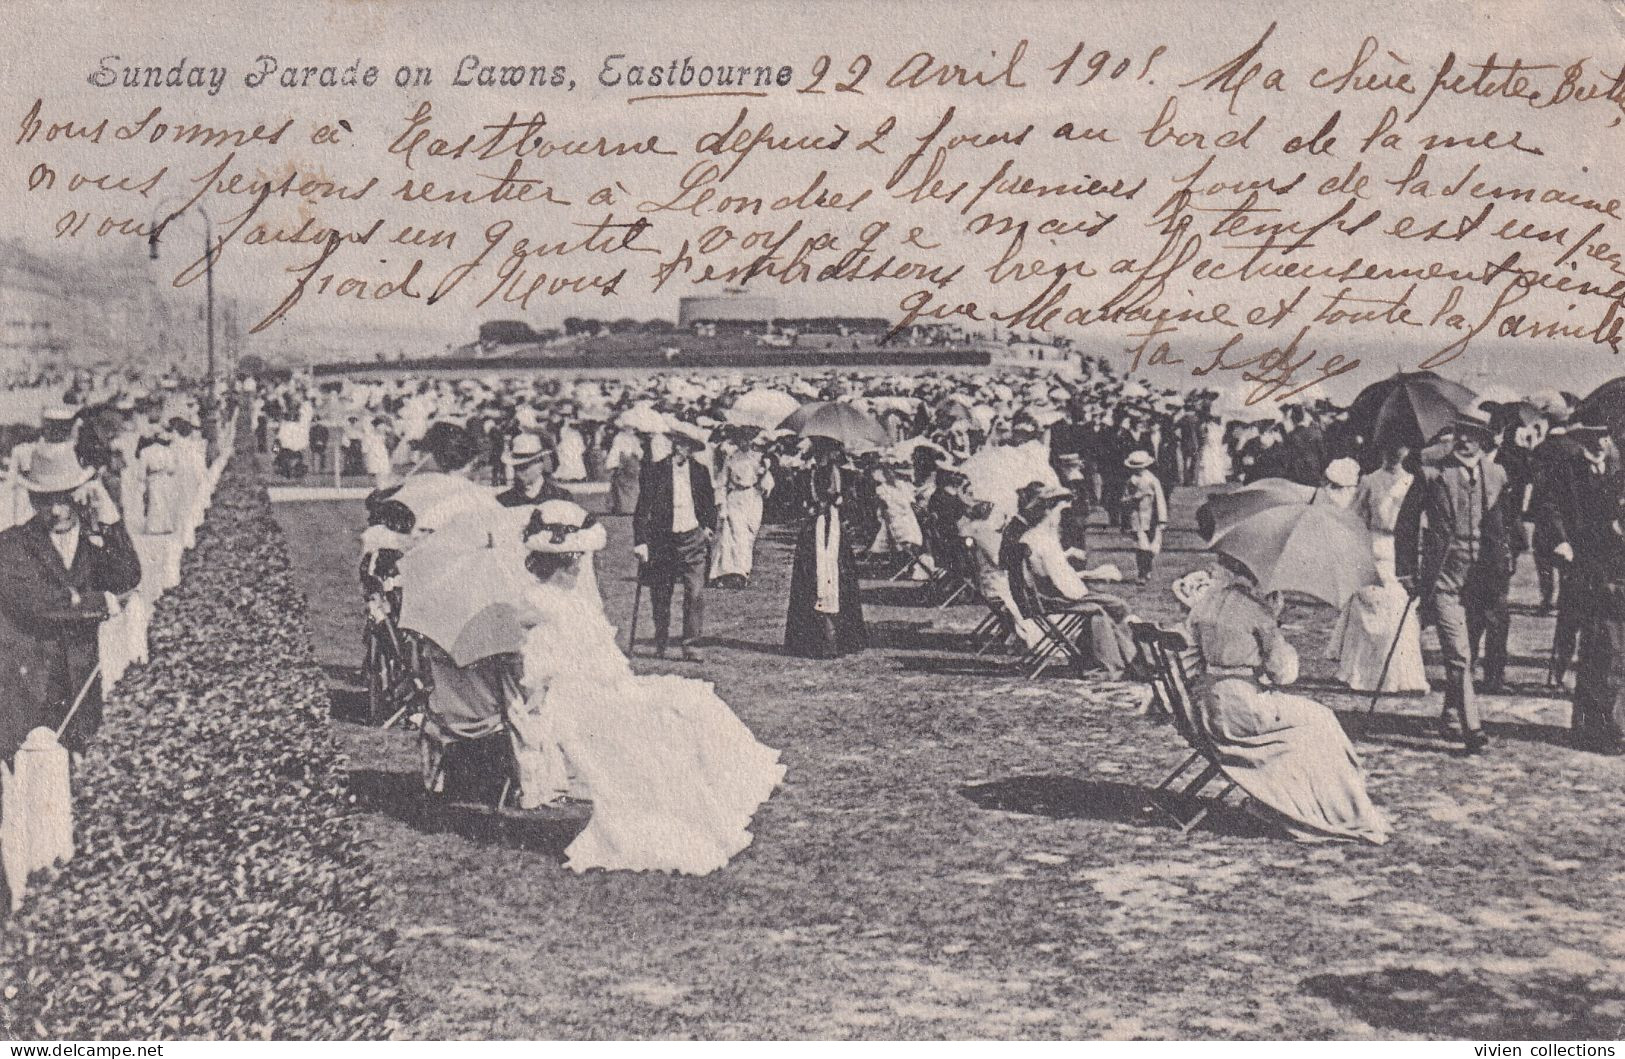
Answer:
(982, 487)
(987, 486)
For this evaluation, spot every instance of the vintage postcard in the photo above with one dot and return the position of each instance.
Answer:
(828, 520)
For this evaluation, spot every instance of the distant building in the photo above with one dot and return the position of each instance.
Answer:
(733, 308)
(112, 311)
(34, 311)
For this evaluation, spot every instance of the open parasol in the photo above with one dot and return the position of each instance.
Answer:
(470, 601)
(1310, 549)
(996, 474)
(478, 527)
(763, 408)
(1605, 407)
(436, 499)
(856, 430)
(1222, 510)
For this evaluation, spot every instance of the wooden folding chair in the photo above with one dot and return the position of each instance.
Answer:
(1175, 666)
(949, 577)
(396, 681)
(996, 630)
(1058, 642)
(908, 562)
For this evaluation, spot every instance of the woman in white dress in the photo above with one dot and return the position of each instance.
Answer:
(1366, 629)
(899, 525)
(572, 453)
(375, 457)
(745, 481)
(673, 776)
(1213, 458)
(158, 471)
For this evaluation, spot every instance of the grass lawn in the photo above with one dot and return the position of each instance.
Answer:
(958, 853)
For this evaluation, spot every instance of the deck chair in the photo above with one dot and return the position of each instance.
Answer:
(995, 632)
(951, 574)
(1175, 665)
(1058, 633)
(904, 563)
(1058, 643)
(397, 682)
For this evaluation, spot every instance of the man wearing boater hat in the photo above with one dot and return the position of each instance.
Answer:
(672, 528)
(1459, 566)
(55, 572)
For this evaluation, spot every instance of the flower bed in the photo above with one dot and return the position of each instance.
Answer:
(220, 889)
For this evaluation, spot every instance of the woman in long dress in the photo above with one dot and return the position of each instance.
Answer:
(1213, 459)
(899, 525)
(825, 618)
(1287, 752)
(375, 450)
(625, 461)
(158, 471)
(572, 452)
(745, 482)
(674, 777)
(1057, 587)
(1366, 629)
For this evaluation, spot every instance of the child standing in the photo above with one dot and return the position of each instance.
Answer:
(1145, 508)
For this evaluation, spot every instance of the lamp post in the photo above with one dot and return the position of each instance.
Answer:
(210, 427)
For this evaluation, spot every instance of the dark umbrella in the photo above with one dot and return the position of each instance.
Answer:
(852, 427)
(1409, 407)
(1605, 407)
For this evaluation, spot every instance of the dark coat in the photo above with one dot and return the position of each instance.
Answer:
(651, 522)
(1430, 552)
(1305, 456)
(1560, 475)
(48, 642)
(808, 633)
(515, 495)
(1595, 524)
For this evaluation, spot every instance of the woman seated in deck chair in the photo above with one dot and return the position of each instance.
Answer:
(1044, 582)
(1286, 751)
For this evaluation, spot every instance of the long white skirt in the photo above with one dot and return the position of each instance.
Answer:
(1212, 465)
(1366, 629)
(739, 520)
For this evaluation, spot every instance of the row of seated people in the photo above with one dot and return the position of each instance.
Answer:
(1023, 568)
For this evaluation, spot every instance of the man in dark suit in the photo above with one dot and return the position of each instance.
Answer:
(1460, 565)
(531, 464)
(1597, 537)
(672, 528)
(1547, 508)
(1561, 478)
(55, 571)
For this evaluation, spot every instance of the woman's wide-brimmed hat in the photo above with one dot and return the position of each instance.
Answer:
(1139, 459)
(55, 468)
(695, 437)
(643, 419)
(526, 448)
(560, 527)
(1035, 496)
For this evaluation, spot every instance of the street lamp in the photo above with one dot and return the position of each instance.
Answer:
(209, 425)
